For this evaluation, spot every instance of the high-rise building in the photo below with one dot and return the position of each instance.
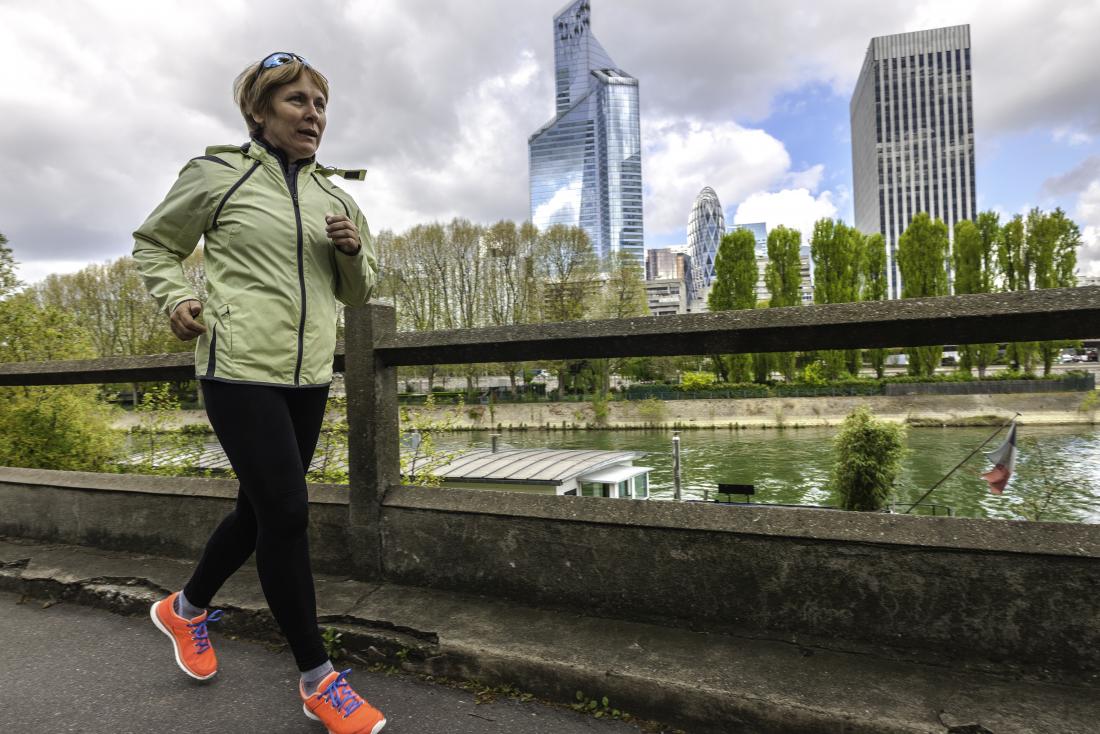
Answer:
(668, 280)
(913, 135)
(667, 262)
(706, 225)
(586, 163)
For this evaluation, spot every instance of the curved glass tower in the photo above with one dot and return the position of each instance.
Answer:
(586, 163)
(705, 229)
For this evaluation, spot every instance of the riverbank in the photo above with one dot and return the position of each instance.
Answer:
(751, 413)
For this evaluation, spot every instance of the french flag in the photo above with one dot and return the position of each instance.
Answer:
(1004, 462)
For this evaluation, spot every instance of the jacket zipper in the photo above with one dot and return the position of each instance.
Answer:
(292, 184)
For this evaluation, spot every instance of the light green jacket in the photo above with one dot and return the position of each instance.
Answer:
(272, 274)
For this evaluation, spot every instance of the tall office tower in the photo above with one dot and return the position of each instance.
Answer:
(586, 163)
(706, 225)
(913, 135)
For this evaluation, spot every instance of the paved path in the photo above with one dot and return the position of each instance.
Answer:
(68, 668)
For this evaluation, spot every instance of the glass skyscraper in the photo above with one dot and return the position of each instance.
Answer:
(706, 225)
(586, 163)
(913, 135)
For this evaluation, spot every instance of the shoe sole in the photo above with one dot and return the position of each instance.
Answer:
(377, 727)
(175, 645)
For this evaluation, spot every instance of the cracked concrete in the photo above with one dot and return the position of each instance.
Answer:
(700, 682)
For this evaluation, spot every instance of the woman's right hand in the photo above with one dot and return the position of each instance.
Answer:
(183, 321)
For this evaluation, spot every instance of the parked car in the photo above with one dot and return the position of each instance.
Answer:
(1090, 355)
(1068, 358)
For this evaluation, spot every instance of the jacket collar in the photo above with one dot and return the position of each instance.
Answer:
(263, 151)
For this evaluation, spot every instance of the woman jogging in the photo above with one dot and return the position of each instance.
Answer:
(281, 245)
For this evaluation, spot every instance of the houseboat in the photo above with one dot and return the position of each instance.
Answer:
(545, 471)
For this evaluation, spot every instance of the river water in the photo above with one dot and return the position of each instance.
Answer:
(791, 466)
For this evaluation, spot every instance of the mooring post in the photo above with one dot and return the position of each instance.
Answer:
(677, 492)
(373, 441)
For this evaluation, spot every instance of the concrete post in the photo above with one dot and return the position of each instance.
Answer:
(373, 441)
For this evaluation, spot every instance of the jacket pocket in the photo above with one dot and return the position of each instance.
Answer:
(226, 322)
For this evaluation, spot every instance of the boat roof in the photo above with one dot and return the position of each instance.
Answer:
(530, 466)
(614, 474)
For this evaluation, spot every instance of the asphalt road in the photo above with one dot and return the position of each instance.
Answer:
(69, 668)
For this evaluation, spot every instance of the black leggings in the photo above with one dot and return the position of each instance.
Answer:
(269, 434)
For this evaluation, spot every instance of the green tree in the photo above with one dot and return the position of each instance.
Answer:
(734, 288)
(783, 276)
(837, 252)
(8, 282)
(874, 288)
(922, 258)
(1052, 242)
(1014, 261)
(976, 271)
(868, 457)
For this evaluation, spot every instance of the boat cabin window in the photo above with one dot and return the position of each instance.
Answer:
(641, 486)
(595, 489)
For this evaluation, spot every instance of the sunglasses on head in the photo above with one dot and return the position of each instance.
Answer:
(279, 58)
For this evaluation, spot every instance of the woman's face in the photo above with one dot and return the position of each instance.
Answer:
(296, 120)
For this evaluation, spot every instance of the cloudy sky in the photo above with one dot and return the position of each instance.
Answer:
(101, 103)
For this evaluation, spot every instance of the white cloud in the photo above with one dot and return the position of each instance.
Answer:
(1088, 215)
(683, 156)
(1070, 136)
(794, 208)
(808, 179)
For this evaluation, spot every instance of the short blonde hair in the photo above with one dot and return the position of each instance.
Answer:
(254, 87)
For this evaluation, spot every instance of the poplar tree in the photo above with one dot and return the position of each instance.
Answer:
(783, 276)
(922, 257)
(1014, 260)
(874, 288)
(1052, 242)
(973, 259)
(837, 252)
(734, 287)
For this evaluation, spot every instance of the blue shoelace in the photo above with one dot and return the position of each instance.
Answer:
(198, 630)
(341, 696)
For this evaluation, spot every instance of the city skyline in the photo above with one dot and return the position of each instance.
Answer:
(107, 100)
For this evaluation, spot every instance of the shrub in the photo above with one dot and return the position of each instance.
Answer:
(814, 373)
(50, 427)
(696, 380)
(868, 457)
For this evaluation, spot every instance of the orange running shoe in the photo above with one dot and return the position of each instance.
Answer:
(190, 641)
(339, 708)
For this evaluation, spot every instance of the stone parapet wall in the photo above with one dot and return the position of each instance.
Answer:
(1003, 595)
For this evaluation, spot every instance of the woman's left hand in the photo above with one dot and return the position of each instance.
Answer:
(343, 233)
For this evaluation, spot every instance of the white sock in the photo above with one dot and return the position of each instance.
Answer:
(186, 609)
(312, 678)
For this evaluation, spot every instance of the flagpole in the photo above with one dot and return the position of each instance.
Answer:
(968, 457)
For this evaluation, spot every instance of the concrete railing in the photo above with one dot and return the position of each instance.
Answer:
(978, 589)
